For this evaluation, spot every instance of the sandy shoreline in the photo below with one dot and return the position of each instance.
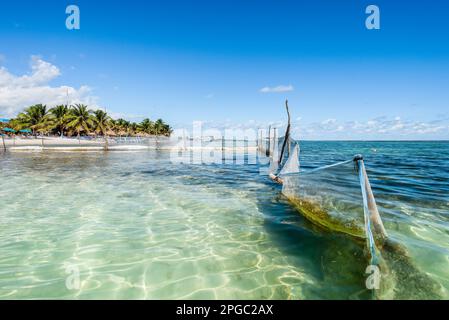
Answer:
(73, 145)
(54, 141)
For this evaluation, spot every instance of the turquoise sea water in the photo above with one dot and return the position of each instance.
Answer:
(134, 225)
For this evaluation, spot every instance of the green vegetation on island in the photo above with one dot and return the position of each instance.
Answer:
(78, 120)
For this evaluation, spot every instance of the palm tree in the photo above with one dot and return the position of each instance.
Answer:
(101, 122)
(163, 128)
(167, 130)
(60, 116)
(114, 125)
(158, 126)
(146, 126)
(79, 119)
(122, 126)
(133, 128)
(35, 117)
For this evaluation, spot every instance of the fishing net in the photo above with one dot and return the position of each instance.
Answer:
(337, 197)
(329, 197)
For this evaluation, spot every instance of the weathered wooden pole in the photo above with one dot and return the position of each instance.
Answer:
(275, 143)
(223, 155)
(370, 204)
(287, 133)
(269, 140)
(257, 139)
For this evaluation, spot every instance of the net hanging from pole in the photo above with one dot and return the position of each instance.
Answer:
(337, 197)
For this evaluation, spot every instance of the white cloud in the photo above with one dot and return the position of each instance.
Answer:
(329, 121)
(126, 116)
(18, 92)
(379, 128)
(277, 89)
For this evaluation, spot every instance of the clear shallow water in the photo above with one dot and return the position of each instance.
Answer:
(137, 226)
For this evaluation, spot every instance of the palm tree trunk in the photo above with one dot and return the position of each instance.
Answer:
(3, 139)
(106, 143)
(79, 138)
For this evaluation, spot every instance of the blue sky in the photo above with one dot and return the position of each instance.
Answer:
(210, 60)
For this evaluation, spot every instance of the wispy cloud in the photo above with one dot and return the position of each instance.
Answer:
(377, 128)
(20, 91)
(380, 128)
(277, 89)
(126, 116)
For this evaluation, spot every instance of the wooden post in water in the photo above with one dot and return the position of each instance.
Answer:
(234, 149)
(269, 140)
(275, 143)
(257, 139)
(379, 228)
(223, 149)
(287, 133)
(245, 150)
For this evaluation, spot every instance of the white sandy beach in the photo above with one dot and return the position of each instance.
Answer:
(124, 144)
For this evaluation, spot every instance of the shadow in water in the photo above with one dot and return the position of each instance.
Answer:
(337, 262)
(404, 280)
(334, 263)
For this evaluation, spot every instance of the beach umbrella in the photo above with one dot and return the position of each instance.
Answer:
(25, 131)
(9, 130)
